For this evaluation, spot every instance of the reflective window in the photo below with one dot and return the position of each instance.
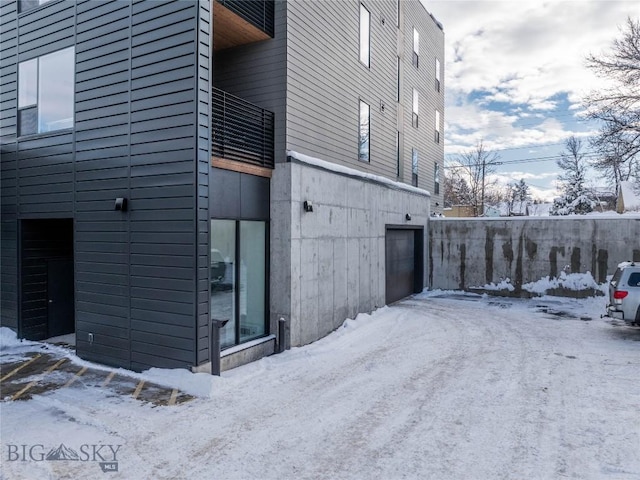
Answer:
(437, 126)
(365, 34)
(24, 5)
(416, 103)
(364, 132)
(414, 167)
(398, 154)
(437, 75)
(416, 47)
(252, 280)
(398, 83)
(223, 278)
(238, 279)
(436, 179)
(45, 92)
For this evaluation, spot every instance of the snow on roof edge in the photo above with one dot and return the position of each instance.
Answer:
(302, 158)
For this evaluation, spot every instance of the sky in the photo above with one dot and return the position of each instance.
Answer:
(515, 73)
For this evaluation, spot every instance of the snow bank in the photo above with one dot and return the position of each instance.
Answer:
(576, 282)
(9, 339)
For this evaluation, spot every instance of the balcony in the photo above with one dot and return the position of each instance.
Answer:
(241, 131)
(239, 22)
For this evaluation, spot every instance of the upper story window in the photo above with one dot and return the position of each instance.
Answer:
(45, 92)
(416, 47)
(398, 83)
(436, 179)
(24, 5)
(414, 167)
(416, 102)
(437, 137)
(398, 156)
(398, 13)
(437, 75)
(365, 36)
(364, 132)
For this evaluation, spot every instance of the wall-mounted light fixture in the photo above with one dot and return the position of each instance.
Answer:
(308, 206)
(408, 217)
(121, 204)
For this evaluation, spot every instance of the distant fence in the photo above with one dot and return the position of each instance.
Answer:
(472, 252)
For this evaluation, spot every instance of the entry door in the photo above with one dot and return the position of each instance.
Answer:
(60, 304)
(400, 264)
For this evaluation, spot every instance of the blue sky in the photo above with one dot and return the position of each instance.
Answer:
(515, 75)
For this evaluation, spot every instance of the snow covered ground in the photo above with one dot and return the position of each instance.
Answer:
(443, 385)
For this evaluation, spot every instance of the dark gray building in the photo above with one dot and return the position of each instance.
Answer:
(169, 162)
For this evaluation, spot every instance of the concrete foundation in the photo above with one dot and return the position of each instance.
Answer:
(471, 252)
(329, 264)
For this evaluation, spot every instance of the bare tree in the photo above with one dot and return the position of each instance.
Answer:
(618, 106)
(476, 165)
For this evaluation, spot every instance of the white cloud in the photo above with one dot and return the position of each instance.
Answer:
(520, 53)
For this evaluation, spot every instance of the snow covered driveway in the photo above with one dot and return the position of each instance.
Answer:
(438, 386)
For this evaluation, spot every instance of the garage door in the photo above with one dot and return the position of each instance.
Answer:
(400, 264)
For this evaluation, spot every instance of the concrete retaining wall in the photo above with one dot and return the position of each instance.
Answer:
(472, 252)
(329, 264)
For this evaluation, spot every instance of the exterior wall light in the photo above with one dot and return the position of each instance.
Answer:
(308, 206)
(408, 217)
(121, 204)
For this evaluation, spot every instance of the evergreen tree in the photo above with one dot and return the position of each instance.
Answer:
(575, 198)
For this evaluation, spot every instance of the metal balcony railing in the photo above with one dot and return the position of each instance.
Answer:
(257, 12)
(241, 131)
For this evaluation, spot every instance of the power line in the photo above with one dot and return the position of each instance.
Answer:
(522, 160)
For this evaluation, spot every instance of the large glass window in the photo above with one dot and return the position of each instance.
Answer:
(416, 47)
(436, 179)
(414, 167)
(437, 126)
(238, 279)
(364, 132)
(416, 104)
(45, 92)
(437, 75)
(365, 35)
(252, 280)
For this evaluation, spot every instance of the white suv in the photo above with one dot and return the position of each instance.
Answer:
(624, 293)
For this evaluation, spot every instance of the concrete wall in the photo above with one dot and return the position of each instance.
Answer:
(471, 252)
(329, 264)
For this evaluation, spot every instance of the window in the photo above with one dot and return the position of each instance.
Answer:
(634, 280)
(398, 83)
(238, 279)
(416, 102)
(45, 93)
(437, 136)
(437, 75)
(24, 5)
(398, 13)
(436, 179)
(364, 132)
(414, 167)
(365, 35)
(416, 47)
(398, 154)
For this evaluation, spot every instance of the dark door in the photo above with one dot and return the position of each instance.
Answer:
(60, 306)
(400, 264)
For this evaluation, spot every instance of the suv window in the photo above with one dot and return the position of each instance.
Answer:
(616, 277)
(634, 279)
